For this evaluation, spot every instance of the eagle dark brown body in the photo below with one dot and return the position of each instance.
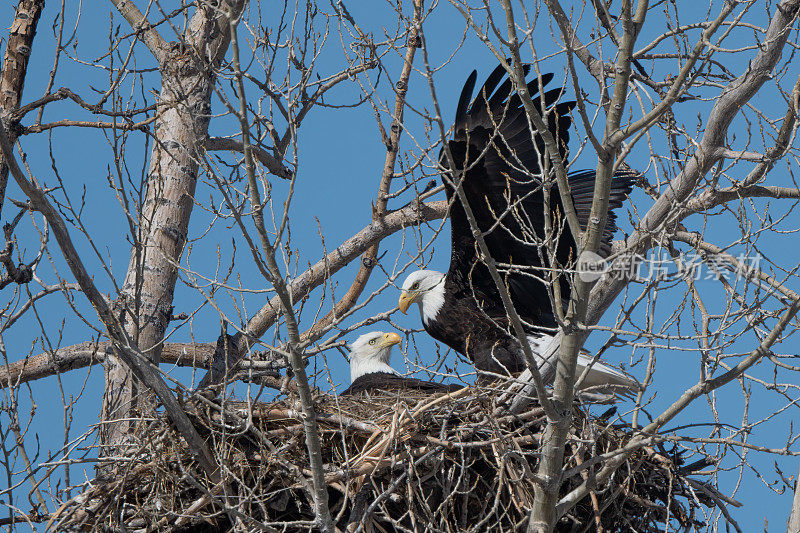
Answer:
(499, 164)
(392, 382)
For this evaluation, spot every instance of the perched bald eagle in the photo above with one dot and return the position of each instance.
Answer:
(370, 369)
(503, 183)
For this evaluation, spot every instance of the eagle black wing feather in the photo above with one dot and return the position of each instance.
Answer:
(503, 183)
(387, 381)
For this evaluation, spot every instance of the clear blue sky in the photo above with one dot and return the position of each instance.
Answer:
(341, 159)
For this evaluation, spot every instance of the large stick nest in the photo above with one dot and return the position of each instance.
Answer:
(394, 462)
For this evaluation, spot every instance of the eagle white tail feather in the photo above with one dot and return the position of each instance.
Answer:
(598, 375)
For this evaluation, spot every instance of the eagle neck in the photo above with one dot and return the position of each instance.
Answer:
(432, 301)
(369, 366)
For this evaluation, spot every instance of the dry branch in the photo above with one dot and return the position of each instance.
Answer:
(130, 355)
(735, 95)
(370, 258)
(300, 286)
(91, 353)
(322, 514)
(186, 354)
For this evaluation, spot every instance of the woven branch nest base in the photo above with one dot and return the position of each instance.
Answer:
(393, 462)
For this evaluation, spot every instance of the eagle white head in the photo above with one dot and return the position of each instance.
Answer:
(426, 288)
(371, 352)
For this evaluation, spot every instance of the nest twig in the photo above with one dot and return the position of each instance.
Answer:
(393, 462)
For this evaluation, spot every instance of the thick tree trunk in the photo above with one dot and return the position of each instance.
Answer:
(794, 516)
(188, 72)
(15, 65)
(164, 219)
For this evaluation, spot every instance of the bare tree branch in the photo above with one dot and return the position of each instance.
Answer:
(543, 514)
(321, 270)
(123, 346)
(370, 258)
(91, 353)
(322, 513)
(762, 350)
(735, 95)
(138, 21)
(273, 165)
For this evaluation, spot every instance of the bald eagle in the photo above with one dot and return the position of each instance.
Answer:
(370, 369)
(503, 182)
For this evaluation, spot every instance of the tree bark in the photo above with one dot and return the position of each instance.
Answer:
(150, 281)
(794, 517)
(187, 78)
(15, 66)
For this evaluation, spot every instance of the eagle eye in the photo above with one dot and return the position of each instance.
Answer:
(415, 285)
(373, 341)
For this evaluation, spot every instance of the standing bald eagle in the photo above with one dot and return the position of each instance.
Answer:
(370, 369)
(504, 184)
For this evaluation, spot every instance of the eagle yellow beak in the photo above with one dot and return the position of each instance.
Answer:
(390, 339)
(406, 299)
